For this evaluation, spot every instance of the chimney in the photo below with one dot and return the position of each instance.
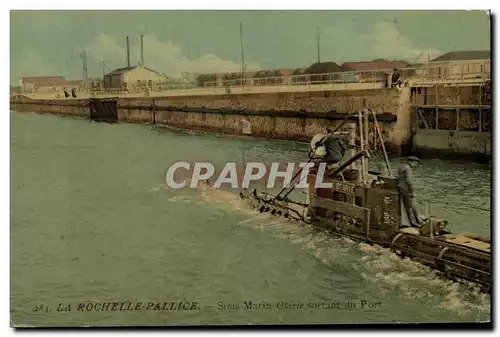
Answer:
(142, 50)
(128, 53)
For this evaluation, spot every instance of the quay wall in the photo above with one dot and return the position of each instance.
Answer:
(290, 116)
(277, 115)
(78, 108)
(474, 145)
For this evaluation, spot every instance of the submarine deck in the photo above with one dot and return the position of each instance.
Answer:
(457, 239)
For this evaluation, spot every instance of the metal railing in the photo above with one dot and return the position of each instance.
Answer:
(304, 80)
(452, 96)
(428, 74)
(435, 72)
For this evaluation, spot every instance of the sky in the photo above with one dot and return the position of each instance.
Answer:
(48, 43)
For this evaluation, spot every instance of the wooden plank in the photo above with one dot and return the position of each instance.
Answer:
(472, 243)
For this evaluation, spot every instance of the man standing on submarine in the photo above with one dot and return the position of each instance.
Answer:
(406, 190)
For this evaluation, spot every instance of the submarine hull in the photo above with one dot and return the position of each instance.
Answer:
(372, 215)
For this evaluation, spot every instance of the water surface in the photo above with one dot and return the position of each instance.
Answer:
(91, 222)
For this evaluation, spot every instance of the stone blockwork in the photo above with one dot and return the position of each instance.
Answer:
(341, 102)
(138, 114)
(309, 113)
(265, 118)
(74, 108)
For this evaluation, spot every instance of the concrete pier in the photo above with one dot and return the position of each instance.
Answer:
(277, 115)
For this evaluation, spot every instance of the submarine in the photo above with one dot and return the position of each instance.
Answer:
(366, 206)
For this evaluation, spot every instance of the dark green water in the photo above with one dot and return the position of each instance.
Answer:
(92, 223)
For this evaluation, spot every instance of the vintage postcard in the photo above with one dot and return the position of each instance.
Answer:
(234, 168)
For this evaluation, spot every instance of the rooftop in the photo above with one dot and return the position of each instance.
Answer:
(379, 64)
(324, 68)
(44, 81)
(127, 69)
(464, 55)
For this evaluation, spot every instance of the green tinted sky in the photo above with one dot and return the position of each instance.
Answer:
(42, 42)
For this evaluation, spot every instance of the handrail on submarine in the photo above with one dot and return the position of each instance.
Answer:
(364, 153)
(337, 170)
(330, 132)
(379, 132)
(341, 167)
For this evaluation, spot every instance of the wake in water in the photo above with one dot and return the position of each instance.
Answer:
(416, 281)
(372, 264)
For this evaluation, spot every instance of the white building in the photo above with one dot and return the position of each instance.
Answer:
(132, 78)
(461, 64)
(49, 85)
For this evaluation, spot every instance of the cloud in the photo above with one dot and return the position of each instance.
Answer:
(165, 57)
(387, 40)
(339, 43)
(384, 40)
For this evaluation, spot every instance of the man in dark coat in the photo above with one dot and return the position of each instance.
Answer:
(406, 190)
(335, 149)
(333, 145)
(396, 80)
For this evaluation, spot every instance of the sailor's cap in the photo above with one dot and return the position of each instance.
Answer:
(413, 158)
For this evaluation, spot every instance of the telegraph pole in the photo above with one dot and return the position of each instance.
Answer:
(128, 52)
(242, 53)
(84, 61)
(317, 42)
(104, 67)
(142, 50)
(83, 57)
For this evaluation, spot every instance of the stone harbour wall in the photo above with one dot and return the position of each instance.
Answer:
(73, 108)
(289, 116)
(340, 102)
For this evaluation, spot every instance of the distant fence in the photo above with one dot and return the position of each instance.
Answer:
(445, 72)
(425, 75)
(146, 91)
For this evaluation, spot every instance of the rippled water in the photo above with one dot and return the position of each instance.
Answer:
(92, 222)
